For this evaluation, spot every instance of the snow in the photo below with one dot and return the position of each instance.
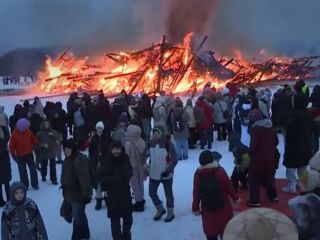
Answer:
(185, 226)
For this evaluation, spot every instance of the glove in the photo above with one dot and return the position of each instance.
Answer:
(86, 200)
(164, 174)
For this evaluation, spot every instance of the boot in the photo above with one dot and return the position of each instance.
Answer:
(98, 204)
(291, 188)
(138, 207)
(160, 211)
(170, 215)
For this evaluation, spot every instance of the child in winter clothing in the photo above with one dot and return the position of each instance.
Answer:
(216, 209)
(241, 160)
(21, 219)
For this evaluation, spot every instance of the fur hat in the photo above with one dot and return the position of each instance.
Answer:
(205, 157)
(260, 224)
(100, 125)
(22, 124)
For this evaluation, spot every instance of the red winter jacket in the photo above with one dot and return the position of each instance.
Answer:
(263, 152)
(214, 222)
(21, 143)
(207, 112)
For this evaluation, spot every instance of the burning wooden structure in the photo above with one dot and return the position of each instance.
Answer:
(172, 68)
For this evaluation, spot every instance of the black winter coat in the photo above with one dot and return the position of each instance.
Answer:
(5, 166)
(98, 147)
(299, 140)
(75, 178)
(114, 175)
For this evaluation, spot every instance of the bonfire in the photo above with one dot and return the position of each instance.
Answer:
(165, 67)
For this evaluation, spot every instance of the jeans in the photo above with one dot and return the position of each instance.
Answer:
(182, 145)
(44, 168)
(255, 191)
(22, 165)
(125, 233)
(80, 221)
(167, 186)
(291, 173)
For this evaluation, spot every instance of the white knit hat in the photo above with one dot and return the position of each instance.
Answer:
(100, 125)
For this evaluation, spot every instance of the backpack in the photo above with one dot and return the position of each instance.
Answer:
(178, 122)
(211, 196)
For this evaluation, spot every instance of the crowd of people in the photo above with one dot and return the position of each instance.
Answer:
(114, 147)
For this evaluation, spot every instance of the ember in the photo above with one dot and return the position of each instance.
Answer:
(173, 68)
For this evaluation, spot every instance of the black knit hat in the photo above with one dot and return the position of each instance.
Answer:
(70, 143)
(206, 157)
(116, 144)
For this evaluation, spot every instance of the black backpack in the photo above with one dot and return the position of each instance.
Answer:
(211, 196)
(178, 122)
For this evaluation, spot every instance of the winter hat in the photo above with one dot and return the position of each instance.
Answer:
(260, 224)
(189, 102)
(13, 188)
(158, 129)
(314, 162)
(178, 102)
(100, 125)
(255, 115)
(70, 143)
(309, 180)
(123, 117)
(116, 144)
(225, 91)
(22, 124)
(206, 157)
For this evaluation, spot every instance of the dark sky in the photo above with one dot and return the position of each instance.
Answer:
(279, 26)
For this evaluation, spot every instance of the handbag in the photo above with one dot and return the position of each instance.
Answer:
(66, 211)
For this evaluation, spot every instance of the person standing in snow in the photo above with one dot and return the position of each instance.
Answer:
(21, 146)
(263, 158)
(76, 187)
(4, 120)
(162, 163)
(5, 165)
(21, 218)
(115, 174)
(134, 146)
(216, 209)
(191, 124)
(99, 145)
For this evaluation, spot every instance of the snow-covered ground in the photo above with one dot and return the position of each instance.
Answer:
(186, 226)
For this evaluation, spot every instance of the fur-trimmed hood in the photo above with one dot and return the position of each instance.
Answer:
(214, 164)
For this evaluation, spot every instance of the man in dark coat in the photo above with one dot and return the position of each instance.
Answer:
(5, 166)
(98, 147)
(76, 187)
(298, 141)
(115, 174)
(263, 158)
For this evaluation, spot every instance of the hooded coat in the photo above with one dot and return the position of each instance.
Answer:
(214, 222)
(263, 150)
(22, 139)
(50, 137)
(207, 123)
(134, 146)
(299, 135)
(22, 220)
(4, 121)
(114, 175)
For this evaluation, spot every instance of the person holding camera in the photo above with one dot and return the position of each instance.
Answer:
(163, 159)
